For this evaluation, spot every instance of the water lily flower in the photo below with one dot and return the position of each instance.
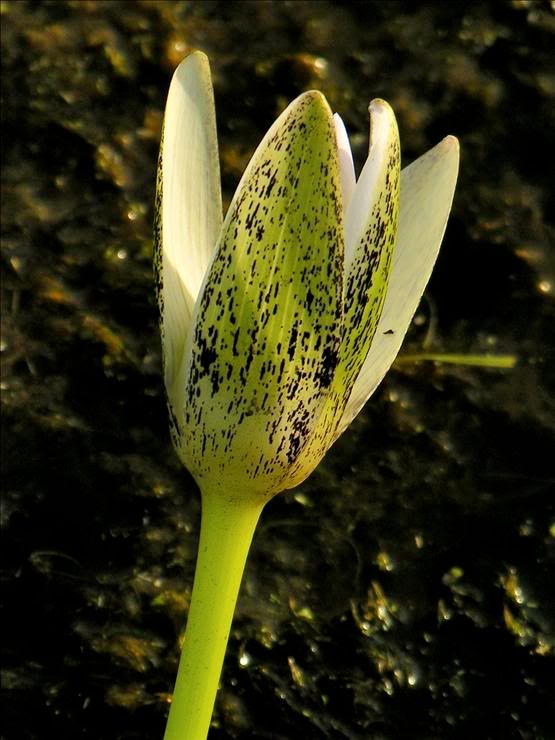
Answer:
(279, 321)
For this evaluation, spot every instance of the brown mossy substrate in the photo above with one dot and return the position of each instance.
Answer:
(406, 590)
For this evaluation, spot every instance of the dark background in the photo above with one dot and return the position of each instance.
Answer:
(404, 591)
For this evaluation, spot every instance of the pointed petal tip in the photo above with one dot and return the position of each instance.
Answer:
(195, 60)
(382, 122)
(311, 100)
(451, 141)
(315, 98)
(450, 144)
(443, 159)
(342, 136)
(313, 94)
(378, 105)
(194, 57)
(198, 54)
(447, 155)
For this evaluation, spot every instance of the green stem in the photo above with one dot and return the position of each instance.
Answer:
(226, 532)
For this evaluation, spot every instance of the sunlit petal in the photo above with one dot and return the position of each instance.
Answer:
(427, 188)
(346, 164)
(188, 207)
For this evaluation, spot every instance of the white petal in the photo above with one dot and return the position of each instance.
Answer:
(427, 188)
(358, 214)
(346, 164)
(189, 206)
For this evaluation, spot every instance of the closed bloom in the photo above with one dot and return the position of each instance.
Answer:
(279, 321)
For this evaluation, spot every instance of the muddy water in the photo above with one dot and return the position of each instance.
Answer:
(405, 591)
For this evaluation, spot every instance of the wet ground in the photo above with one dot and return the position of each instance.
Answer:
(406, 590)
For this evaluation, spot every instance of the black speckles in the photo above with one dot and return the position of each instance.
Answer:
(248, 362)
(216, 381)
(207, 357)
(271, 184)
(326, 371)
(300, 431)
(293, 341)
(294, 447)
(234, 350)
(251, 218)
(281, 368)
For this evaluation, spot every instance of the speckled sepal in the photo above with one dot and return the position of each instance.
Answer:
(268, 323)
(370, 232)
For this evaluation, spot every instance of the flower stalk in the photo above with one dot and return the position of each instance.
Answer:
(227, 527)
